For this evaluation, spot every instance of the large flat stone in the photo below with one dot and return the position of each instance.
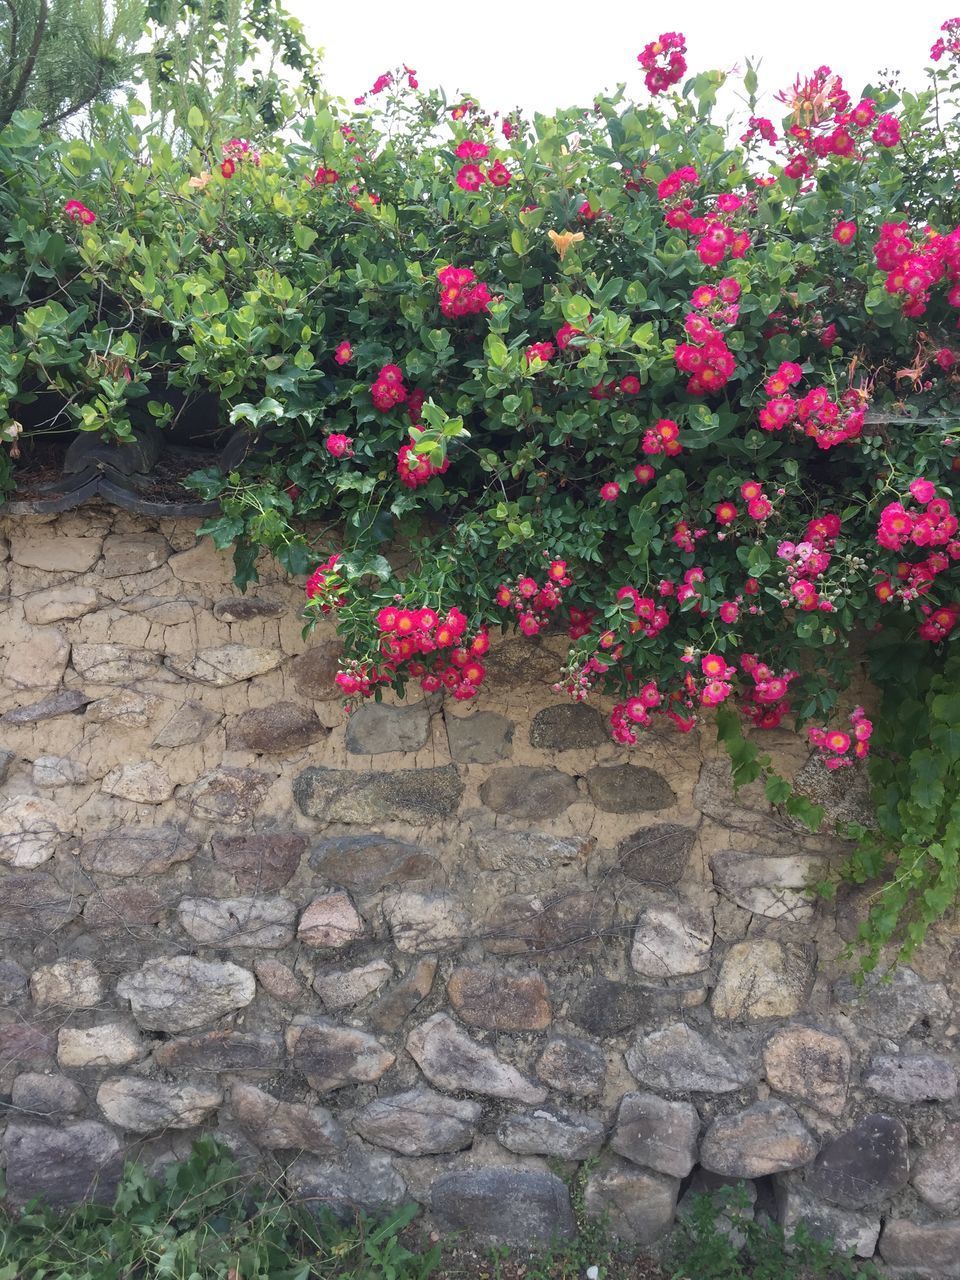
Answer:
(425, 921)
(528, 852)
(203, 563)
(845, 1230)
(357, 1181)
(61, 1166)
(528, 924)
(672, 939)
(33, 904)
(136, 851)
(330, 1056)
(122, 907)
(331, 921)
(31, 830)
(341, 988)
(38, 661)
(657, 1134)
(277, 729)
(865, 1165)
(565, 1135)
(678, 1058)
(190, 723)
(225, 664)
(505, 1205)
(569, 726)
(222, 1050)
(144, 782)
(247, 609)
(776, 887)
(113, 663)
(47, 1097)
(260, 861)
(67, 984)
(573, 1066)
(419, 1122)
(768, 1137)
(810, 1065)
(526, 792)
(66, 702)
(922, 1249)
(389, 1012)
(481, 738)
(499, 1000)
(656, 855)
(54, 554)
(366, 863)
(638, 1205)
(891, 1004)
(607, 1008)
(285, 1126)
(129, 708)
(763, 979)
(911, 1077)
(629, 788)
(184, 992)
(936, 1172)
(149, 1106)
(226, 794)
(108, 1044)
(451, 1060)
(266, 923)
(314, 670)
(406, 795)
(376, 728)
(129, 553)
(59, 604)
(59, 771)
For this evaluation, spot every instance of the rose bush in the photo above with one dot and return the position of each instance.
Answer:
(692, 398)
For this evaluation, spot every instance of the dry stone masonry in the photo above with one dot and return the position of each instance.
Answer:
(427, 952)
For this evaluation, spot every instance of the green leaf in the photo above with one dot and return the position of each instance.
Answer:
(195, 118)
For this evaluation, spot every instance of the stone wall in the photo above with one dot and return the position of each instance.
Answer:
(434, 952)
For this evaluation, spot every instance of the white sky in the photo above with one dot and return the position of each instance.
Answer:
(540, 54)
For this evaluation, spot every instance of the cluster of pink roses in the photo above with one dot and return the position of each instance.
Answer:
(935, 526)
(765, 702)
(663, 61)
(237, 151)
(470, 177)
(461, 293)
(406, 636)
(415, 469)
(826, 421)
(826, 125)
(77, 211)
(533, 602)
(388, 390)
(807, 561)
(948, 43)
(914, 268)
(326, 586)
(835, 744)
(707, 358)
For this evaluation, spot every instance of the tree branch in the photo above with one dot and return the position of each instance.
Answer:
(17, 92)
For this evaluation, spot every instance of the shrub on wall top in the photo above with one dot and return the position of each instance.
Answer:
(693, 398)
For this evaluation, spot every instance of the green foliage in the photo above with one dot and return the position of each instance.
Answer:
(719, 1241)
(211, 59)
(201, 1220)
(915, 849)
(749, 765)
